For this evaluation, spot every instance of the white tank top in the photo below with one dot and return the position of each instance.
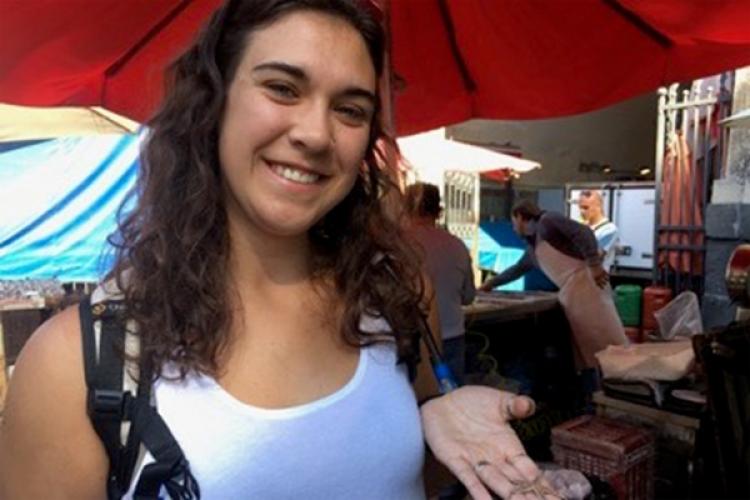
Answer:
(362, 442)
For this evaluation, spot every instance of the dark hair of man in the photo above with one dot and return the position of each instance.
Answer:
(527, 210)
(423, 200)
(172, 248)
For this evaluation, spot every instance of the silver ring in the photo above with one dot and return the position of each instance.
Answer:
(480, 464)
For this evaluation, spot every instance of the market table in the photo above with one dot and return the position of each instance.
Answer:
(497, 307)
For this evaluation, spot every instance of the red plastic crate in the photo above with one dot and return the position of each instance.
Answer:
(618, 453)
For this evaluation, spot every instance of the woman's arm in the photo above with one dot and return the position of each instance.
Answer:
(436, 475)
(48, 448)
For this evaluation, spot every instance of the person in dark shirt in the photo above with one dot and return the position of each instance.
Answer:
(448, 264)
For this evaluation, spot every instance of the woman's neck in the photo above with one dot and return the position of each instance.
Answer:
(260, 260)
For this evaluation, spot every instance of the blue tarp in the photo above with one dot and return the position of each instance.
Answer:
(58, 203)
(499, 248)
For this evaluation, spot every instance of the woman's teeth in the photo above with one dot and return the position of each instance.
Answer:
(295, 175)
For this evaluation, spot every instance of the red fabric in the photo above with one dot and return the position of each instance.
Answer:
(695, 20)
(501, 175)
(540, 59)
(526, 59)
(68, 52)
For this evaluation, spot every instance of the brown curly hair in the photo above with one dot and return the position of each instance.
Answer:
(172, 248)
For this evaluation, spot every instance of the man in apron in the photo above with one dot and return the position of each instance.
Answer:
(568, 254)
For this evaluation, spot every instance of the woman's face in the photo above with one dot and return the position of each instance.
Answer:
(296, 124)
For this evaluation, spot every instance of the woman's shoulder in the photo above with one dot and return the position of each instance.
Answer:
(45, 422)
(57, 339)
(52, 357)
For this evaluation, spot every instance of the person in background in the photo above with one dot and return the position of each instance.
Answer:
(590, 204)
(567, 252)
(448, 264)
(276, 302)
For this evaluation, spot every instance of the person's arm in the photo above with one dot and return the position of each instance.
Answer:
(468, 289)
(524, 265)
(468, 425)
(48, 448)
(436, 476)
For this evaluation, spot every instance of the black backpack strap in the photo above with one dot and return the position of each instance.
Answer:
(110, 407)
(103, 335)
(170, 469)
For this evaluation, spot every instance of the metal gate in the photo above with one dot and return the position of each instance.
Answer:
(688, 157)
(461, 202)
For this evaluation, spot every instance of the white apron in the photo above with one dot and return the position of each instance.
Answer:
(590, 310)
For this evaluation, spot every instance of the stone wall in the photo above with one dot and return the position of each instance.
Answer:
(728, 214)
(727, 225)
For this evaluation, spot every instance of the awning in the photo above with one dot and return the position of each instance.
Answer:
(432, 151)
(25, 123)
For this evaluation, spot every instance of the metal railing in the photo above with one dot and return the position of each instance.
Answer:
(688, 158)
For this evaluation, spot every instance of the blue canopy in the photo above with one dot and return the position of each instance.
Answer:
(59, 202)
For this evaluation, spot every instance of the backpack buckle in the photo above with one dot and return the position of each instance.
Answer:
(108, 404)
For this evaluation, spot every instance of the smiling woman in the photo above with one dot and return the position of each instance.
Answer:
(260, 328)
(309, 85)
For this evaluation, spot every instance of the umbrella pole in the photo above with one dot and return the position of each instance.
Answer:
(387, 118)
(387, 79)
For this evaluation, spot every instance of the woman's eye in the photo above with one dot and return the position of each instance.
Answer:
(353, 113)
(282, 90)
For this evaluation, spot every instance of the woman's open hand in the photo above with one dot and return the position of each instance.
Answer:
(468, 430)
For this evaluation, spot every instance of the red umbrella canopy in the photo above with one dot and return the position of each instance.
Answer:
(110, 53)
(454, 59)
(525, 59)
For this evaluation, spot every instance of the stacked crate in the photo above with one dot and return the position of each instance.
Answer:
(613, 451)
